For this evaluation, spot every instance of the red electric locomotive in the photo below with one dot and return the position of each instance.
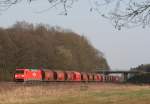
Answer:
(28, 75)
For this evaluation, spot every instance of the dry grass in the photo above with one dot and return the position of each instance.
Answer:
(75, 94)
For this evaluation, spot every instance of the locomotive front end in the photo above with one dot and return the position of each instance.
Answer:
(19, 75)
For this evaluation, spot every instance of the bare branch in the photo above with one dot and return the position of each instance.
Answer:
(66, 4)
(125, 13)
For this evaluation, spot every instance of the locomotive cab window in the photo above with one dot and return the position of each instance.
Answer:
(20, 71)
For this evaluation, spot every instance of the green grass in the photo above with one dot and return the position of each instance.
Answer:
(139, 93)
(67, 94)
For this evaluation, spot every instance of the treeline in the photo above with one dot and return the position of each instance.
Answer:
(142, 77)
(36, 46)
(142, 67)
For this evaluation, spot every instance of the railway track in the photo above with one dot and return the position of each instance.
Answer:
(49, 83)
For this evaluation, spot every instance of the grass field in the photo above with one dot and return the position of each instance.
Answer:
(75, 94)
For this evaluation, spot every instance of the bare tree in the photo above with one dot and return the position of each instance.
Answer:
(122, 13)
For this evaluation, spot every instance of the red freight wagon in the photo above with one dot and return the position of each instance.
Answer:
(84, 76)
(97, 77)
(69, 75)
(113, 78)
(109, 78)
(106, 78)
(117, 78)
(33, 74)
(90, 76)
(102, 78)
(59, 75)
(48, 75)
(77, 76)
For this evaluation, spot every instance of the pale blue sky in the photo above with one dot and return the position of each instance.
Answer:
(122, 49)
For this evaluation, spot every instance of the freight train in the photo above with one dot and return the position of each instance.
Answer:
(26, 75)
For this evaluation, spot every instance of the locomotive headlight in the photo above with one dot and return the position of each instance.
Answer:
(16, 76)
